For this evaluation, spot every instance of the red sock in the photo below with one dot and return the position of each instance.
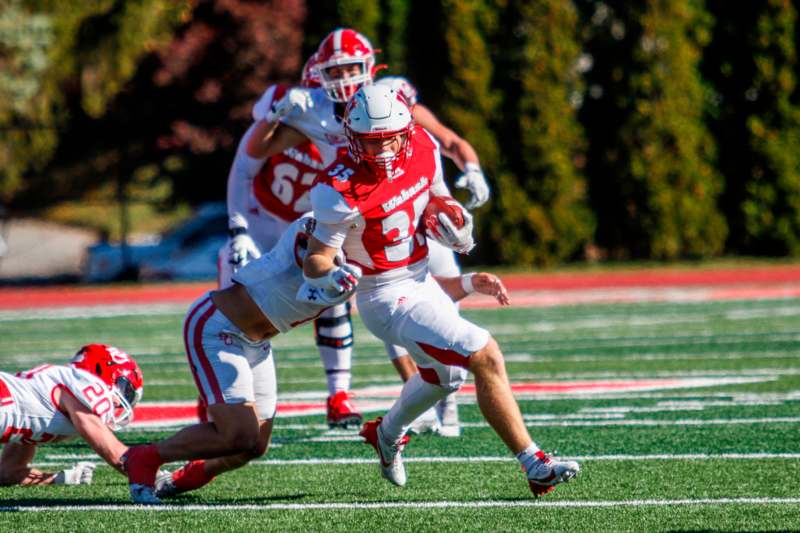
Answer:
(202, 410)
(141, 464)
(191, 476)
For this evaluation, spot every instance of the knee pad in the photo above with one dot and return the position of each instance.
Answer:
(457, 376)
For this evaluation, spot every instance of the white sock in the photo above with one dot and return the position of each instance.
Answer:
(417, 397)
(337, 367)
(529, 456)
(335, 342)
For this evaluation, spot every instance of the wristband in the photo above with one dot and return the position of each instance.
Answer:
(466, 283)
(472, 167)
(233, 232)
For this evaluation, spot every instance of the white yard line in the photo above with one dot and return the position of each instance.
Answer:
(60, 459)
(349, 506)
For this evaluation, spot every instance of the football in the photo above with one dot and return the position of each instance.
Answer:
(442, 204)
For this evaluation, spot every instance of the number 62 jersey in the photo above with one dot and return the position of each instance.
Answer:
(374, 219)
(28, 413)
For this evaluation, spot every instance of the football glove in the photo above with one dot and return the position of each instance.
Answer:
(475, 182)
(457, 239)
(80, 474)
(295, 98)
(334, 288)
(242, 248)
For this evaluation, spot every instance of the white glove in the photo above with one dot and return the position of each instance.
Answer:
(339, 281)
(475, 182)
(295, 98)
(80, 474)
(242, 248)
(458, 239)
(314, 295)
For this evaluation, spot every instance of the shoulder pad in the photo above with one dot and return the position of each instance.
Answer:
(402, 86)
(329, 206)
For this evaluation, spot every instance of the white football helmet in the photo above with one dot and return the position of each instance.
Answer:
(344, 47)
(374, 116)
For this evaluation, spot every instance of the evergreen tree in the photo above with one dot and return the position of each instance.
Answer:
(752, 63)
(652, 182)
(394, 35)
(541, 215)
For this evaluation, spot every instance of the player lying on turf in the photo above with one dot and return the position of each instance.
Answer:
(90, 397)
(227, 334)
(369, 205)
(287, 121)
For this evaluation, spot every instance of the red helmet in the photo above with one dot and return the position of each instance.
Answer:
(376, 115)
(310, 76)
(117, 370)
(343, 47)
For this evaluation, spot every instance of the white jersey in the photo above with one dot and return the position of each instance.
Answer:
(27, 410)
(320, 124)
(272, 280)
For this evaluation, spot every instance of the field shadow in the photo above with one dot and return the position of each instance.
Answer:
(188, 499)
(55, 502)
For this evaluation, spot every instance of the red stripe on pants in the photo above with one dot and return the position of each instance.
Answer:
(446, 357)
(429, 375)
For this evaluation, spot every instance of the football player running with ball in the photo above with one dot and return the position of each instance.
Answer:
(227, 336)
(369, 205)
(344, 61)
(89, 398)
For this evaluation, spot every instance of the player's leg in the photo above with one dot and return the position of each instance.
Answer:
(223, 376)
(405, 366)
(500, 409)
(334, 336)
(442, 262)
(198, 473)
(14, 469)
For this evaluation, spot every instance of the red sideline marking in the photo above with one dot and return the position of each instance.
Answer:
(652, 278)
(183, 413)
(185, 293)
(67, 296)
(147, 412)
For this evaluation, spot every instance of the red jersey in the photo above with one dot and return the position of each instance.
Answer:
(282, 185)
(376, 220)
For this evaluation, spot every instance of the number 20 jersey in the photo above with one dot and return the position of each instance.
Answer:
(375, 220)
(28, 413)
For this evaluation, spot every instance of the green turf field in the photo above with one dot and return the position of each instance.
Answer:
(721, 456)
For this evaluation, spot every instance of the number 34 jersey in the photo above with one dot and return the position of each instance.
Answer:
(375, 220)
(28, 413)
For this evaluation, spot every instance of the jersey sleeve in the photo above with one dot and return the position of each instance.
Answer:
(402, 86)
(264, 103)
(334, 216)
(91, 392)
(240, 182)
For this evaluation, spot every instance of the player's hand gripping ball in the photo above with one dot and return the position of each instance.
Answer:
(447, 222)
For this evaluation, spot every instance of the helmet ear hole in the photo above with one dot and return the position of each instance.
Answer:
(98, 369)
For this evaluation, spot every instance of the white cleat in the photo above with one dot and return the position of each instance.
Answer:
(165, 487)
(447, 412)
(427, 422)
(143, 495)
(548, 472)
(391, 461)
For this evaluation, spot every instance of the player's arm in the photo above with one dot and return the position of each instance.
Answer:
(272, 138)
(451, 144)
(319, 259)
(15, 469)
(93, 430)
(460, 151)
(460, 287)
